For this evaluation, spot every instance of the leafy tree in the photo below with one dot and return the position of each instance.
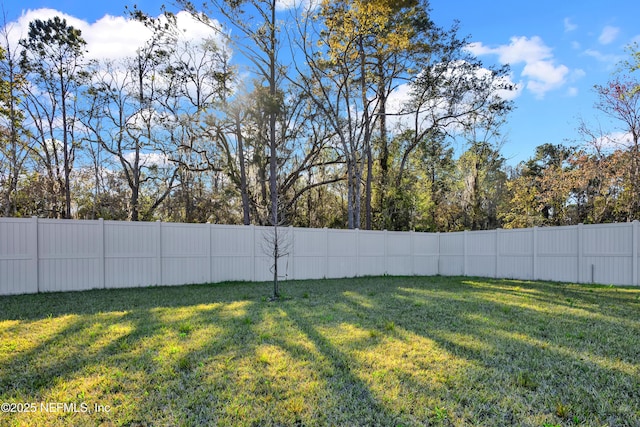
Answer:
(522, 208)
(621, 102)
(542, 189)
(483, 181)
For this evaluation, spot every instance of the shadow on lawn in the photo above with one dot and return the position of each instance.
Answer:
(441, 351)
(555, 361)
(40, 306)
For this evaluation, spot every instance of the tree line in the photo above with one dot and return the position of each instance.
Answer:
(294, 117)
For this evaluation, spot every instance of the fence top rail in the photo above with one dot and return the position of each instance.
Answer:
(333, 230)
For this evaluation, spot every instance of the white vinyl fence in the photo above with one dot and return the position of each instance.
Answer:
(43, 255)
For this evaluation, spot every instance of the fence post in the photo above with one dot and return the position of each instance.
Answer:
(357, 233)
(292, 253)
(438, 254)
(634, 261)
(253, 253)
(580, 253)
(101, 254)
(535, 253)
(412, 252)
(210, 251)
(326, 252)
(34, 252)
(159, 253)
(497, 274)
(386, 253)
(465, 253)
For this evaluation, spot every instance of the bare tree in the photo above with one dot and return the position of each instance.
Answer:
(14, 149)
(620, 100)
(52, 56)
(127, 118)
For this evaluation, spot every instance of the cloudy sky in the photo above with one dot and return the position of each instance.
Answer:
(558, 50)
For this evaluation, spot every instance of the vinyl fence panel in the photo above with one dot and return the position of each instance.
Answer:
(399, 254)
(132, 254)
(558, 254)
(308, 253)
(481, 253)
(69, 255)
(43, 255)
(185, 253)
(372, 253)
(607, 255)
(342, 253)
(452, 254)
(515, 254)
(426, 255)
(233, 253)
(18, 256)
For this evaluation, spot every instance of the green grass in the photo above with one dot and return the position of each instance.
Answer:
(383, 351)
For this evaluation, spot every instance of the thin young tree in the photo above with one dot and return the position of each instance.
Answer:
(259, 42)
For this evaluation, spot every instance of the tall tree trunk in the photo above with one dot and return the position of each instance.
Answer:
(65, 147)
(368, 184)
(134, 211)
(350, 192)
(273, 155)
(366, 121)
(244, 191)
(384, 144)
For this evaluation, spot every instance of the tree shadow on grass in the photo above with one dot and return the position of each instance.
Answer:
(119, 351)
(549, 364)
(355, 403)
(417, 351)
(280, 371)
(41, 306)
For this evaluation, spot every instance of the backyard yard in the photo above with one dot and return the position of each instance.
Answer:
(388, 351)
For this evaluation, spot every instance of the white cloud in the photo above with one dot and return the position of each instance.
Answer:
(544, 76)
(148, 159)
(114, 37)
(609, 34)
(520, 49)
(540, 71)
(398, 97)
(613, 141)
(110, 37)
(284, 5)
(621, 139)
(609, 59)
(439, 105)
(572, 91)
(569, 26)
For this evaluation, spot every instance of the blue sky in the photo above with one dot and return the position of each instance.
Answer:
(558, 50)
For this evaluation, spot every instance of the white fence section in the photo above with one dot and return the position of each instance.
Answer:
(43, 255)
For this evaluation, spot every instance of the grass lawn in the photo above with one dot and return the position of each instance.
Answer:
(388, 351)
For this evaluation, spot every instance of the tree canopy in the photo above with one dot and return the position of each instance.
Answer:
(354, 114)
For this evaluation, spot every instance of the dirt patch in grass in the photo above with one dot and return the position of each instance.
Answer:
(386, 351)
